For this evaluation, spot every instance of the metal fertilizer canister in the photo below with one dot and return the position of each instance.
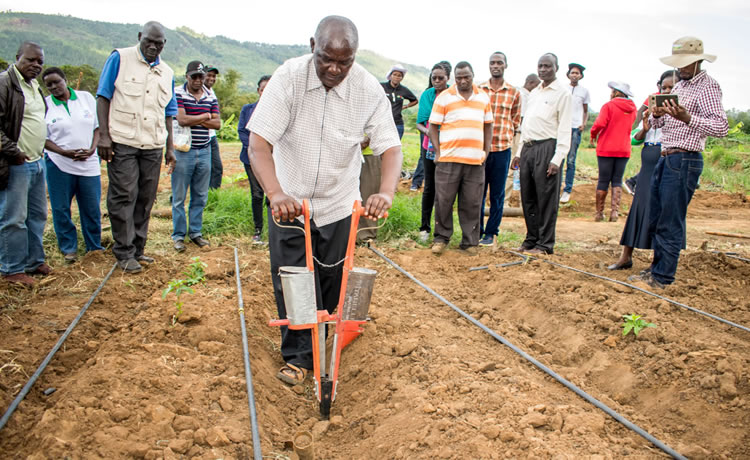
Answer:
(298, 286)
(358, 294)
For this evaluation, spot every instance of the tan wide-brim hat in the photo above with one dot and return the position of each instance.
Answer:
(686, 51)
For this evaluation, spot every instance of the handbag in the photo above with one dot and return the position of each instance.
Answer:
(182, 136)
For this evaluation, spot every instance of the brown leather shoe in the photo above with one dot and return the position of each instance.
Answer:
(601, 197)
(43, 270)
(20, 278)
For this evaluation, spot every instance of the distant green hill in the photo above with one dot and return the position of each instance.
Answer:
(73, 41)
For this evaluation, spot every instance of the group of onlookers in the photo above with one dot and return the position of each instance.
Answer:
(59, 141)
(471, 135)
(304, 140)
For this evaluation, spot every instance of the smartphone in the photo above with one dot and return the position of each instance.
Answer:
(657, 100)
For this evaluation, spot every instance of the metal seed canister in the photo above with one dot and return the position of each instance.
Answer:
(298, 286)
(358, 294)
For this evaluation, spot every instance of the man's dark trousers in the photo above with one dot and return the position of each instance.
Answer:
(256, 197)
(672, 186)
(495, 175)
(287, 247)
(466, 181)
(217, 169)
(133, 180)
(540, 195)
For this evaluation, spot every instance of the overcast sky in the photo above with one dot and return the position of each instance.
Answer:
(614, 40)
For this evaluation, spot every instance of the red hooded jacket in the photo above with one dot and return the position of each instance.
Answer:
(613, 126)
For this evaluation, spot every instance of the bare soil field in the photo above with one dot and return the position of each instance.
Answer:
(421, 382)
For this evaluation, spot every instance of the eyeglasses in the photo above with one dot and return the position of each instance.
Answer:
(197, 76)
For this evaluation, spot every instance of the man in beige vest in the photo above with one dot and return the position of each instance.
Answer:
(135, 106)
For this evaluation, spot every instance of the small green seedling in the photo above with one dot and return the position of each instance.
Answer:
(195, 273)
(634, 323)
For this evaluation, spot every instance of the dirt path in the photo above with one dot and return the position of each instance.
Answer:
(420, 383)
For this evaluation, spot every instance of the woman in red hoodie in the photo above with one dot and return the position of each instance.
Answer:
(611, 135)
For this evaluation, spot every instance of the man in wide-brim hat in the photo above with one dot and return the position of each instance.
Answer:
(685, 125)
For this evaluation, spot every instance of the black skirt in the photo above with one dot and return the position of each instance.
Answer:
(635, 234)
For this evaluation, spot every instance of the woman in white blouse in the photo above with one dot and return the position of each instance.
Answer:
(72, 164)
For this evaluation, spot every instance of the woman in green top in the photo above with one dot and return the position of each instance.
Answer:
(439, 76)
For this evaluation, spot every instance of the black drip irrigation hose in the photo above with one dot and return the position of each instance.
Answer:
(673, 302)
(668, 450)
(509, 264)
(26, 388)
(733, 255)
(257, 452)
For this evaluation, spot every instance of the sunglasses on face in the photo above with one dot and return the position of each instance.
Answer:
(197, 76)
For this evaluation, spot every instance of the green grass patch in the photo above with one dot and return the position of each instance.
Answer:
(229, 212)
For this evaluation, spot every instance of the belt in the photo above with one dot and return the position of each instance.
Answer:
(673, 150)
(530, 143)
(657, 144)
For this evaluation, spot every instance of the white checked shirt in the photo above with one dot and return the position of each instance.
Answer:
(316, 133)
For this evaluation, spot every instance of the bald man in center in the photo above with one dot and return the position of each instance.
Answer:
(314, 112)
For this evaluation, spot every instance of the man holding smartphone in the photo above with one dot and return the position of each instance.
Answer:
(685, 125)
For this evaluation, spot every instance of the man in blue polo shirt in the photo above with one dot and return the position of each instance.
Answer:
(198, 108)
(135, 105)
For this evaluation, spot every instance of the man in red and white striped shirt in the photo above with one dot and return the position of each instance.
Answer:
(685, 126)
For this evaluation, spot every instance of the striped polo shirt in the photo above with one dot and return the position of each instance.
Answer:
(192, 106)
(462, 125)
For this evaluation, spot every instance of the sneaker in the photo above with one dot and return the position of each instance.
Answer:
(470, 250)
(413, 188)
(488, 240)
(43, 270)
(179, 245)
(565, 197)
(256, 239)
(438, 248)
(20, 278)
(424, 235)
(129, 266)
(70, 257)
(630, 185)
(145, 259)
(200, 241)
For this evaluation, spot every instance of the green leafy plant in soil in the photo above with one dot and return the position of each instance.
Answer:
(195, 273)
(634, 323)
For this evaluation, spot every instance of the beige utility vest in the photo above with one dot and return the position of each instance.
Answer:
(142, 92)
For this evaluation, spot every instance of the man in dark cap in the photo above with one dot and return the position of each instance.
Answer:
(217, 168)
(580, 114)
(198, 109)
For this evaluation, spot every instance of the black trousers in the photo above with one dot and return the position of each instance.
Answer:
(428, 194)
(540, 195)
(256, 197)
(217, 169)
(287, 247)
(611, 170)
(133, 180)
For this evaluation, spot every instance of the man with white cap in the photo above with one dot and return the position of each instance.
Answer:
(685, 125)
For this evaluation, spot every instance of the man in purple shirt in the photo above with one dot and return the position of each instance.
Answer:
(685, 125)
